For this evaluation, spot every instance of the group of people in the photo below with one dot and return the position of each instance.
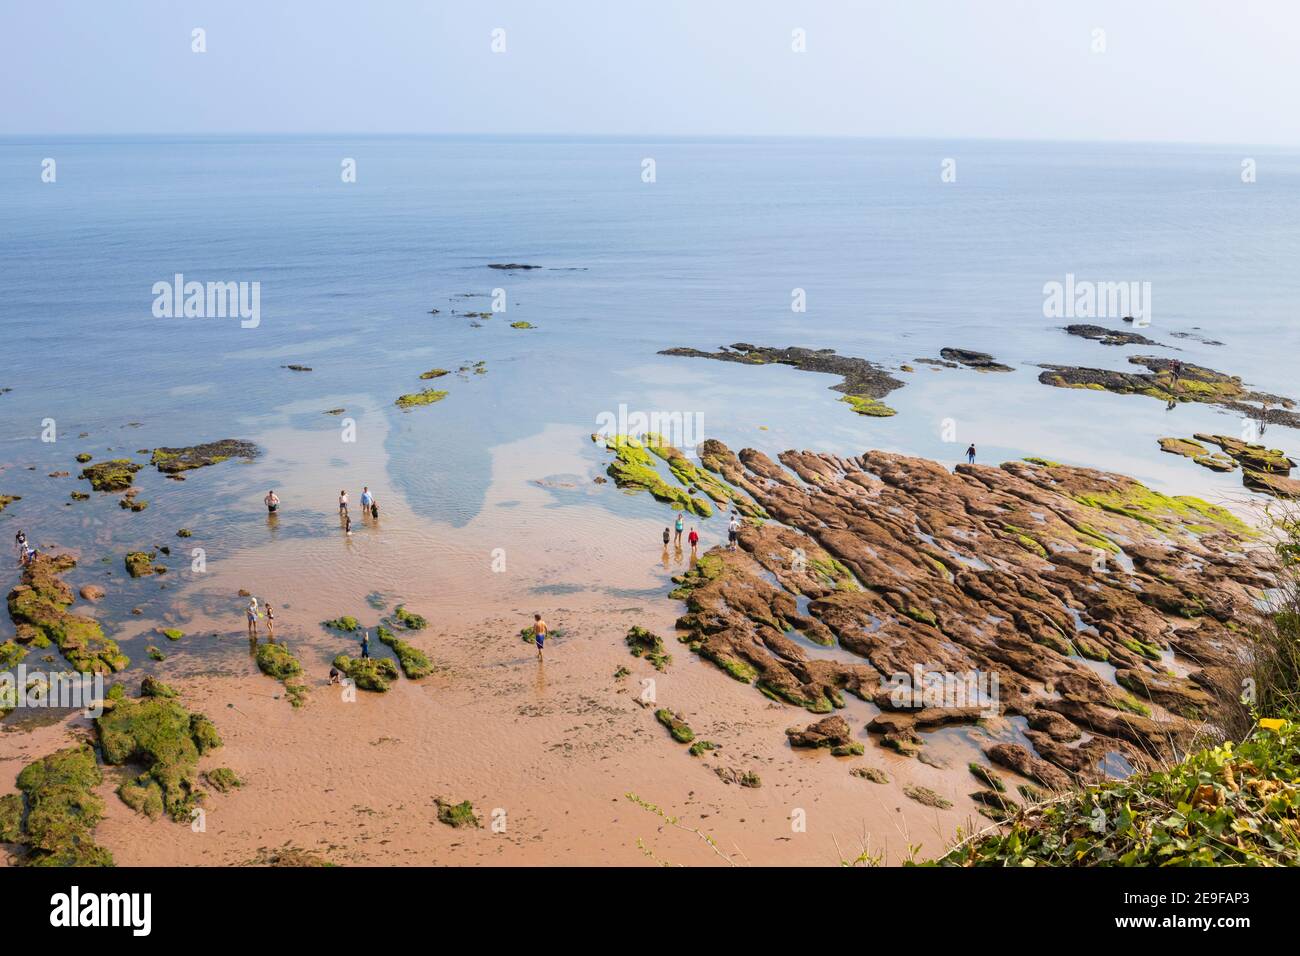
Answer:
(368, 506)
(26, 552)
(674, 535)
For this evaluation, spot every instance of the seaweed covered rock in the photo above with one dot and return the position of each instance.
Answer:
(634, 468)
(368, 673)
(1025, 572)
(456, 814)
(162, 736)
(174, 460)
(274, 659)
(56, 810)
(415, 663)
(39, 608)
(223, 779)
(424, 397)
(678, 727)
(832, 733)
(139, 564)
(115, 475)
(409, 619)
(643, 643)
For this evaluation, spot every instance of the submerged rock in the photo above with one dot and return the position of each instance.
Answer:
(115, 475)
(980, 361)
(1107, 336)
(863, 380)
(173, 460)
(415, 399)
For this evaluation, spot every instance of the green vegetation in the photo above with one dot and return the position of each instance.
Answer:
(678, 727)
(345, 623)
(159, 733)
(865, 405)
(223, 779)
(426, 397)
(643, 643)
(434, 373)
(115, 475)
(456, 814)
(55, 811)
(522, 325)
(634, 467)
(39, 608)
(368, 673)
(409, 619)
(415, 663)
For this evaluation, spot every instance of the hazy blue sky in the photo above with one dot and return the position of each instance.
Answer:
(1187, 70)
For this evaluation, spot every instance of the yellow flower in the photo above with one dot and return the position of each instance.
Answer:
(1272, 723)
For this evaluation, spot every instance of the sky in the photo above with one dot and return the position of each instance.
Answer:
(1203, 71)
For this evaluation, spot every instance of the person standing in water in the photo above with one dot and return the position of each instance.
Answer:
(270, 624)
(366, 500)
(667, 537)
(251, 611)
(694, 539)
(272, 501)
(347, 524)
(20, 546)
(343, 502)
(540, 630)
(970, 454)
(365, 644)
(374, 509)
(678, 528)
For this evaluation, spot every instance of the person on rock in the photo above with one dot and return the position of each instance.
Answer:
(970, 454)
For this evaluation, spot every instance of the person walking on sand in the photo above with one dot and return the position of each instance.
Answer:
(677, 529)
(694, 539)
(970, 454)
(272, 501)
(343, 502)
(365, 644)
(540, 630)
(733, 531)
(251, 611)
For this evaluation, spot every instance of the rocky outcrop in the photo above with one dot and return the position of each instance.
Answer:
(980, 361)
(1105, 336)
(1173, 381)
(39, 606)
(864, 383)
(1024, 573)
(171, 461)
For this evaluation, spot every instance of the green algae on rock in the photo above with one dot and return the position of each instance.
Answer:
(369, 673)
(678, 727)
(426, 397)
(456, 814)
(55, 811)
(7, 500)
(434, 373)
(157, 732)
(634, 468)
(171, 461)
(871, 407)
(276, 660)
(522, 325)
(344, 623)
(415, 663)
(643, 643)
(223, 779)
(139, 564)
(409, 619)
(115, 475)
(39, 606)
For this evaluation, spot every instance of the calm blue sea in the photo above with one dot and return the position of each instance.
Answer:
(895, 264)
